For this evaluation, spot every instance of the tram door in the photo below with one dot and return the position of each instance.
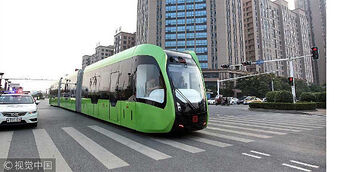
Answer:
(114, 106)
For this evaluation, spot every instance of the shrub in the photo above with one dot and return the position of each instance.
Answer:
(321, 105)
(284, 96)
(320, 97)
(307, 97)
(270, 96)
(285, 106)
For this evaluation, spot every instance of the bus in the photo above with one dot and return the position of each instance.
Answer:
(144, 88)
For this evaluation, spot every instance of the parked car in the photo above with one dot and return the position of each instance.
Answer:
(211, 101)
(18, 109)
(251, 99)
(234, 101)
(241, 100)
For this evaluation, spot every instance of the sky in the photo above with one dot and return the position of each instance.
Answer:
(47, 39)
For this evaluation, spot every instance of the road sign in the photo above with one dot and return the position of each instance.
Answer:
(258, 62)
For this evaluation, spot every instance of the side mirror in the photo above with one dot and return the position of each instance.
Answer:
(37, 102)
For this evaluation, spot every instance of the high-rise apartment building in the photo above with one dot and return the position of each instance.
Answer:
(123, 41)
(316, 15)
(101, 52)
(211, 28)
(272, 31)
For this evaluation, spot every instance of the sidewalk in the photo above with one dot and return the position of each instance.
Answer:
(306, 112)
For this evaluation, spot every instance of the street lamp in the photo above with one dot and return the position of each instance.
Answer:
(1, 74)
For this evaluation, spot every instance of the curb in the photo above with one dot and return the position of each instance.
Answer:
(285, 111)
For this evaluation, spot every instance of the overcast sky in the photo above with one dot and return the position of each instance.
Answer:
(47, 38)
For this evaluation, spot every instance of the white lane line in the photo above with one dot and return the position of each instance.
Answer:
(5, 143)
(249, 129)
(254, 156)
(274, 125)
(305, 164)
(258, 126)
(109, 160)
(276, 122)
(152, 153)
(47, 149)
(296, 167)
(240, 132)
(211, 142)
(226, 136)
(179, 145)
(260, 153)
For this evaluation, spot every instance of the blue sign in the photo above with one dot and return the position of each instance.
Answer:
(259, 62)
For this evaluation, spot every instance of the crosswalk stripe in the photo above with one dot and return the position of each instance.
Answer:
(179, 145)
(252, 125)
(239, 132)
(226, 136)
(305, 164)
(109, 160)
(152, 153)
(273, 125)
(211, 142)
(292, 121)
(276, 122)
(5, 142)
(296, 167)
(244, 128)
(47, 149)
(254, 156)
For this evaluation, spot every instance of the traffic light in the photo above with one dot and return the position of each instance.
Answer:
(247, 63)
(225, 66)
(314, 52)
(290, 80)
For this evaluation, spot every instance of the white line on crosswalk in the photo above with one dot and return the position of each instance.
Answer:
(47, 149)
(226, 136)
(240, 132)
(5, 142)
(275, 122)
(305, 164)
(257, 123)
(109, 160)
(244, 128)
(260, 153)
(254, 156)
(252, 125)
(210, 142)
(278, 123)
(179, 145)
(152, 153)
(296, 167)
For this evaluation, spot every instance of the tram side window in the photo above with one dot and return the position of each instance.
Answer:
(149, 83)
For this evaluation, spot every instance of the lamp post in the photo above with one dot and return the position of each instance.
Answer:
(1, 74)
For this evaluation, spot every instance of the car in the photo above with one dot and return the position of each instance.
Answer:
(211, 102)
(241, 100)
(234, 101)
(18, 109)
(251, 99)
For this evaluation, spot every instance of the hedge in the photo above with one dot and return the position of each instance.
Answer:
(284, 106)
(270, 96)
(320, 96)
(284, 96)
(307, 97)
(321, 105)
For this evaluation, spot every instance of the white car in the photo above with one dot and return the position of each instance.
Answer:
(18, 109)
(211, 101)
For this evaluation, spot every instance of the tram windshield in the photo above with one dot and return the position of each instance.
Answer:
(186, 79)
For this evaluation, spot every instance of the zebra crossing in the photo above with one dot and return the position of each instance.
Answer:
(222, 132)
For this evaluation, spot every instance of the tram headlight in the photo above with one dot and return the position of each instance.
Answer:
(178, 106)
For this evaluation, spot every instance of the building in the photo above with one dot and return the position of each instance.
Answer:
(123, 41)
(211, 28)
(101, 52)
(272, 31)
(316, 15)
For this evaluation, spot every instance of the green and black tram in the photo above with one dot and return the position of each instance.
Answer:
(144, 88)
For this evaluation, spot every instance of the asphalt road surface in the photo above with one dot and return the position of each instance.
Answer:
(236, 139)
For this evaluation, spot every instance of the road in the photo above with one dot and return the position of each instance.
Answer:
(236, 139)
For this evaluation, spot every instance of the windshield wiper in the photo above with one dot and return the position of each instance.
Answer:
(184, 97)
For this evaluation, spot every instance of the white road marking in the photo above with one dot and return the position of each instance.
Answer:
(152, 153)
(179, 145)
(254, 156)
(109, 160)
(5, 142)
(226, 136)
(258, 126)
(240, 132)
(305, 164)
(249, 129)
(47, 149)
(260, 153)
(258, 123)
(296, 167)
(210, 142)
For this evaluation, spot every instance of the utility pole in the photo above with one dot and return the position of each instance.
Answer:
(291, 74)
(272, 86)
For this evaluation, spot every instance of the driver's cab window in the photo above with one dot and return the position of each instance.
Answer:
(149, 83)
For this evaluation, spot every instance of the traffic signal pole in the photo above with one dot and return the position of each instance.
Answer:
(291, 74)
